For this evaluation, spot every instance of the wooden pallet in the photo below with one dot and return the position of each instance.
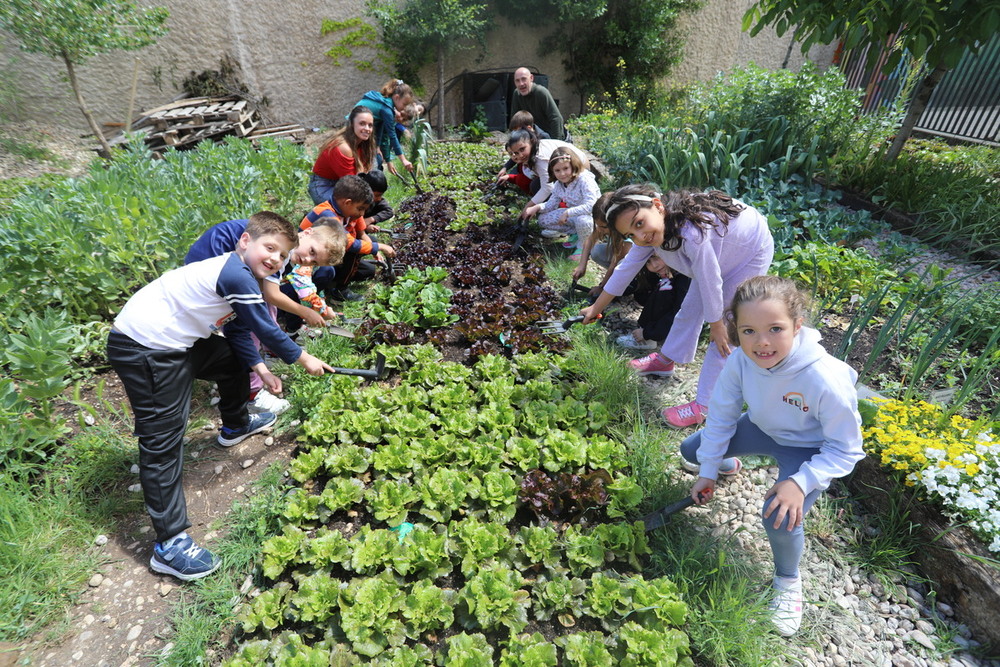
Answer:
(182, 123)
(290, 132)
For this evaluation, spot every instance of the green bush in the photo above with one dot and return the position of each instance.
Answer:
(730, 128)
(85, 245)
(949, 189)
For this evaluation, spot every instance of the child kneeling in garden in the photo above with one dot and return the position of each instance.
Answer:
(163, 339)
(802, 410)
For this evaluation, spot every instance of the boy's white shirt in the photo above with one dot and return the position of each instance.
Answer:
(807, 400)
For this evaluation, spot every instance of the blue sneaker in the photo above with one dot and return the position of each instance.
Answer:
(183, 559)
(257, 423)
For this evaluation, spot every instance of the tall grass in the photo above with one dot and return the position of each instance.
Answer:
(937, 337)
(204, 617)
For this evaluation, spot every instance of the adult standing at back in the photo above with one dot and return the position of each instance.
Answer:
(537, 100)
(385, 105)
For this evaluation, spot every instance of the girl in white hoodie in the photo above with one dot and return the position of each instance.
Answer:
(802, 410)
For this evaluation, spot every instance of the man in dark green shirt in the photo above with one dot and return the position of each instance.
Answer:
(538, 101)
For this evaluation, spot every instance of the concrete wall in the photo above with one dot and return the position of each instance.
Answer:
(715, 43)
(282, 55)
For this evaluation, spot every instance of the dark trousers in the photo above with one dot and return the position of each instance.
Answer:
(158, 384)
(659, 308)
(351, 270)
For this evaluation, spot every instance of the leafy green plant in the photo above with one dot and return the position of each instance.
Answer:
(369, 615)
(416, 298)
(389, 500)
(281, 550)
(427, 607)
(132, 220)
(493, 598)
(469, 650)
(529, 650)
(477, 129)
(477, 543)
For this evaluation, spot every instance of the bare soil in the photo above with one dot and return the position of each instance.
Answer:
(123, 616)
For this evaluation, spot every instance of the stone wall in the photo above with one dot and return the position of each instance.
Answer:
(282, 55)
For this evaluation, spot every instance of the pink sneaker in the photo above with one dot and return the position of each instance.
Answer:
(653, 364)
(682, 416)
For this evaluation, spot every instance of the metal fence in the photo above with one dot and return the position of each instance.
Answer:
(964, 105)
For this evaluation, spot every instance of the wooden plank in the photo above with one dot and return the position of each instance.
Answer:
(247, 125)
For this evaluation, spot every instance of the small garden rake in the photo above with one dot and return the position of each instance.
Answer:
(559, 326)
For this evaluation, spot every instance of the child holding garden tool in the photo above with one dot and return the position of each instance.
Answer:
(318, 247)
(801, 410)
(351, 198)
(660, 293)
(715, 240)
(163, 339)
(569, 209)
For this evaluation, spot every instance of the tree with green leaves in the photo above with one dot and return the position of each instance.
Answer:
(416, 32)
(612, 48)
(935, 31)
(75, 30)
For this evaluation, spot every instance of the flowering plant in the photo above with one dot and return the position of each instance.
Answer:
(954, 460)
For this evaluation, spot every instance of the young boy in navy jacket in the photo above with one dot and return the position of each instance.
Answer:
(163, 339)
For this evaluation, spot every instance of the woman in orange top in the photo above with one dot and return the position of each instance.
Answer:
(351, 150)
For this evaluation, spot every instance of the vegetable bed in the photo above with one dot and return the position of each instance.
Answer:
(469, 509)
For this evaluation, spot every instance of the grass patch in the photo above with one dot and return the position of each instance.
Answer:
(885, 543)
(721, 589)
(611, 381)
(44, 533)
(81, 495)
(204, 619)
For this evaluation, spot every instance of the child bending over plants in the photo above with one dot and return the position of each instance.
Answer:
(715, 240)
(162, 340)
(802, 410)
(316, 247)
(661, 293)
(380, 211)
(352, 196)
(568, 210)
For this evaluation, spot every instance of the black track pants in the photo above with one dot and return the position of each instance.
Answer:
(158, 384)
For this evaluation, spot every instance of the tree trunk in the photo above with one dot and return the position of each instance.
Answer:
(440, 59)
(917, 105)
(105, 146)
(788, 51)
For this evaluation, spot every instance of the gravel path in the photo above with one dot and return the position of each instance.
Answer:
(850, 617)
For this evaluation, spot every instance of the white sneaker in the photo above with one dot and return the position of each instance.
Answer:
(628, 341)
(786, 607)
(552, 234)
(268, 402)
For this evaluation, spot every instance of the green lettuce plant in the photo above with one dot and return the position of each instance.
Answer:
(281, 550)
(369, 614)
(493, 598)
(529, 651)
(427, 608)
